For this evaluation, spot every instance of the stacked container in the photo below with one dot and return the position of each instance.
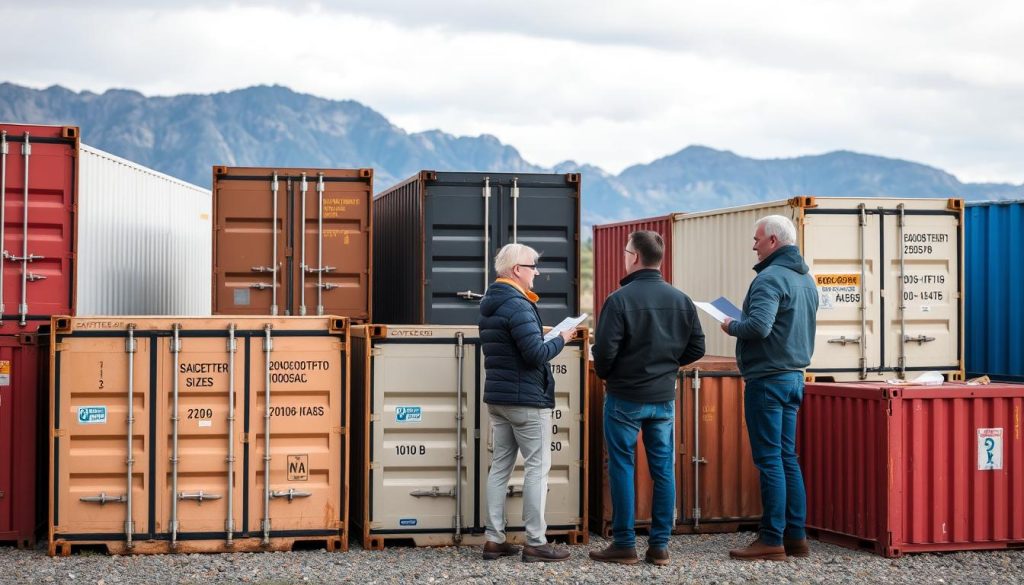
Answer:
(422, 442)
(198, 434)
(292, 241)
(901, 469)
(83, 232)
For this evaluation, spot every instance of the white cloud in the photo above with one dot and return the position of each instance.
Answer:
(612, 84)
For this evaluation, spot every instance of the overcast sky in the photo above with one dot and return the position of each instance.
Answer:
(609, 83)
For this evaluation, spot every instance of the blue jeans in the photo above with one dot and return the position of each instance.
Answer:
(623, 421)
(770, 406)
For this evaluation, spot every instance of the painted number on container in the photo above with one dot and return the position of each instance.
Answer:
(296, 411)
(202, 413)
(100, 386)
(556, 445)
(990, 449)
(559, 369)
(410, 450)
(298, 467)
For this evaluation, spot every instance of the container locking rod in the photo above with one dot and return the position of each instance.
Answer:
(4, 149)
(303, 187)
(130, 348)
(229, 522)
(268, 346)
(176, 350)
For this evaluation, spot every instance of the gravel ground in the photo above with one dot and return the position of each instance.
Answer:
(695, 559)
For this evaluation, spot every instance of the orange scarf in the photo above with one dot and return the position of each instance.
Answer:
(526, 293)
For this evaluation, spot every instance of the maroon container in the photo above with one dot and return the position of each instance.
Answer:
(898, 470)
(19, 396)
(610, 241)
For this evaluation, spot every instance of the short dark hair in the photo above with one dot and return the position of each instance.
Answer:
(648, 246)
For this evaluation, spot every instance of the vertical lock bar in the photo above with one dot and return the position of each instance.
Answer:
(487, 231)
(268, 346)
(4, 149)
(130, 460)
(176, 350)
(863, 292)
(460, 354)
(273, 263)
(901, 367)
(303, 186)
(320, 245)
(697, 460)
(229, 522)
(515, 210)
(26, 150)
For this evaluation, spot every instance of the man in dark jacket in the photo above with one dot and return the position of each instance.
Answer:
(774, 343)
(648, 329)
(520, 392)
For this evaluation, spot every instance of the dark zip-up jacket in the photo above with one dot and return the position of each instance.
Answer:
(648, 329)
(776, 333)
(515, 354)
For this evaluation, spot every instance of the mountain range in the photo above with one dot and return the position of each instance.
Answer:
(185, 135)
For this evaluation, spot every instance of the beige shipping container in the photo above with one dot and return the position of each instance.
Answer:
(422, 443)
(197, 425)
(889, 274)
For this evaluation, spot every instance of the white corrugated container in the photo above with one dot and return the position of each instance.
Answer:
(144, 240)
(889, 272)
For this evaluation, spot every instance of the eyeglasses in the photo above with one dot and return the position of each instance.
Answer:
(628, 251)
(530, 266)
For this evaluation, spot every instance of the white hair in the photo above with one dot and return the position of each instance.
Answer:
(779, 226)
(512, 254)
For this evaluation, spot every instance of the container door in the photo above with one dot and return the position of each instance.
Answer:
(7, 442)
(922, 263)
(19, 396)
(844, 257)
(415, 478)
(543, 212)
(244, 245)
(458, 247)
(91, 418)
(336, 261)
(307, 387)
(564, 510)
(204, 487)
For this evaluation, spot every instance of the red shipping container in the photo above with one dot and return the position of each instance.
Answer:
(19, 406)
(48, 251)
(903, 469)
(609, 242)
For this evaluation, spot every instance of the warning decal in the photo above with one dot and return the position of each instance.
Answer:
(5, 372)
(837, 289)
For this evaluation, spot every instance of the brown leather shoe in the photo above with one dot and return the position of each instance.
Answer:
(546, 553)
(616, 554)
(759, 551)
(493, 550)
(657, 556)
(796, 547)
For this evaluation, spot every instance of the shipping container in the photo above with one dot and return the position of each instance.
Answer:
(889, 273)
(609, 242)
(904, 469)
(19, 403)
(101, 235)
(438, 233)
(995, 283)
(292, 241)
(717, 487)
(422, 443)
(236, 429)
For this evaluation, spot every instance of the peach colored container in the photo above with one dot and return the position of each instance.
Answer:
(197, 431)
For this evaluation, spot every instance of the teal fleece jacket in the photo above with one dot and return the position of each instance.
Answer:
(775, 335)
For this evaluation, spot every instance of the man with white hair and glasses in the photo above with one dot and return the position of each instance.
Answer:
(774, 343)
(519, 391)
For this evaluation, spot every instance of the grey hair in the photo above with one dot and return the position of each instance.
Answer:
(779, 226)
(512, 254)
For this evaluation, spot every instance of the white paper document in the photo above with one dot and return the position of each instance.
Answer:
(567, 324)
(720, 308)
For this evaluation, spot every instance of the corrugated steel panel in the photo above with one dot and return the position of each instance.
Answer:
(421, 477)
(914, 469)
(908, 277)
(995, 290)
(194, 392)
(318, 266)
(610, 240)
(143, 240)
(19, 397)
(463, 220)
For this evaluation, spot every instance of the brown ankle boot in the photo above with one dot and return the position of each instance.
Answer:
(657, 556)
(759, 551)
(796, 547)
(625, 555)
(493, 550)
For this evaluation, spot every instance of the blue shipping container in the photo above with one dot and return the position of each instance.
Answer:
(994, 266)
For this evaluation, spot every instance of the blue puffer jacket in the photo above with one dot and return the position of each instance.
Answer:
(515, 354)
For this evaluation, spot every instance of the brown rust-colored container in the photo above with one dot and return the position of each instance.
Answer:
(291, 241)
(717, 486)
(197, 425)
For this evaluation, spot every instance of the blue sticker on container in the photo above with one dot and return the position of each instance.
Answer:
(92, 415)
(407, 522)
(408, 414)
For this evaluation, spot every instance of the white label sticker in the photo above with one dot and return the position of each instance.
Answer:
(408, 414)
(205, 423)
(990, 449)
(92, 415)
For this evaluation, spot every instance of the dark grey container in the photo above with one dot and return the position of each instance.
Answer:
(430, 237)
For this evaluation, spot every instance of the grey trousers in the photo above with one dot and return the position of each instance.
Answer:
(527, 430)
